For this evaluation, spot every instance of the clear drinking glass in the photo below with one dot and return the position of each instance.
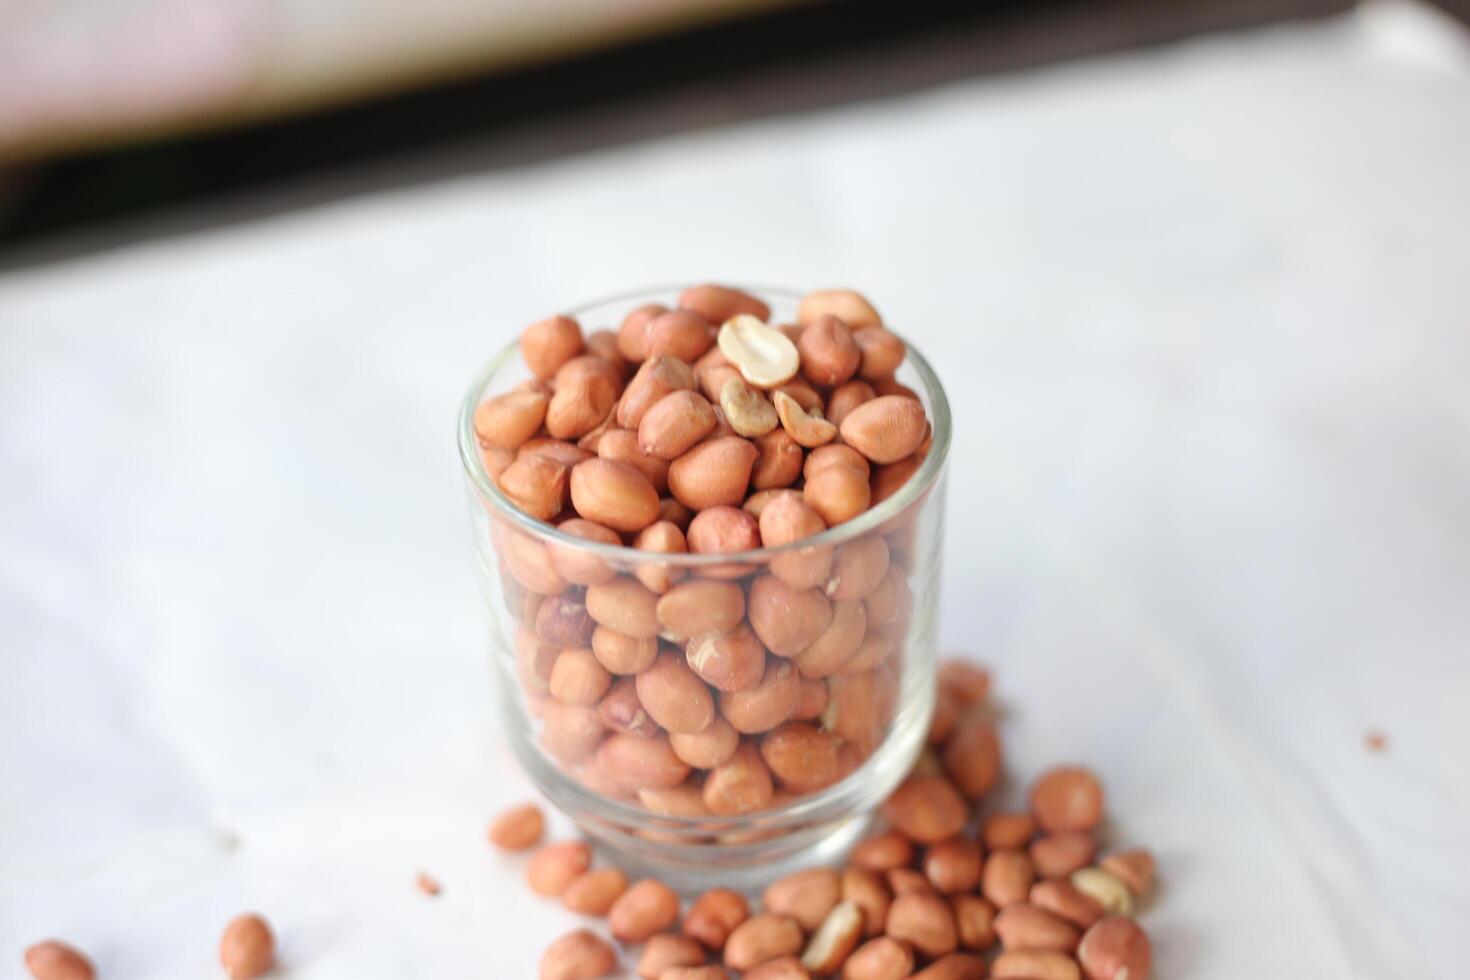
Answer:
(879, 697)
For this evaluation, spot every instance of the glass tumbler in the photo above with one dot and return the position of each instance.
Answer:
(816, 663)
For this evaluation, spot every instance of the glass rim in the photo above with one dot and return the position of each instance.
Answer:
(913, 489)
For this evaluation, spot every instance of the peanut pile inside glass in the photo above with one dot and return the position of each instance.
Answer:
(726, 688)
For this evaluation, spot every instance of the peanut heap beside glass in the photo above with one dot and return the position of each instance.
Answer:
(724, 688)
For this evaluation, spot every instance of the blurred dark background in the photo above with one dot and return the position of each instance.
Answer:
(102, 188)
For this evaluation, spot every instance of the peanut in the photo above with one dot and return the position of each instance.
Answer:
(1006, 878)
(634, 762)
(656, 378)
(714, 915)
(675, 423)
(779, 462)
(562, 621)
(888, 479)
(889, 602)
(742, 784)
(604, 344)
(969, 683)
(683, 800)
(707, 972)
(621, 711)
(746, 409)
(767, 704)
(924, 921)
(845, 398)
(1115, 948)
(953, 865)
(1067, 798)
(974, 920)
(586, 389)
(679, 333)
(55, 960)
(719, 303)
(807, 896)
(829, 355)
(867, 890)
(508, 420)
(554, 866)
(623, 654)
(972, 756)
(850, 306)
(764, 356)
(624, 606)
(903, 881)
(548, 344)
(1062, 898)
(564, 453)
(570, 732)
(732, 661)
(536, 485)
(495, 459)
(247, 949)
(807, 428)
(804, 758)
(577, 678)
(834, 454)
(614, 494)
(594, 892)
(700, 606)
(787, 620)
(672, 694)
(1105, 888)
(787, 519)
(708, 748)
(647, 907)
(1034, 964)
(955, 966)
(927, 809)
(633, 327)
(1026, 926)
(576, 565)
(858, 568)
(781, 968)
(1058, 855)
(663, 537)
(886, 429)
(835, 938)
(762, 938)
(884, 958)
(621, 446)
(714, 472)
(838, 493)
(518, 828)
(723, 529)
(666, 951)
(813, 699)
(882, 353)
(579, 955)
(1135, 868)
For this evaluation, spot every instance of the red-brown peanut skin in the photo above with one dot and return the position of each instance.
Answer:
(883, 852)
(882, 351)
(1026, 926)
(666, 951)
(548, 344)
(714, 915)
(706, 749)
(927, 809)
(55, 960)
(972, 756)
(594, 892)
(634, 762)
(536, 485)
(924, 921)
(614, 494)
(674, 423)
(508, 420)
(847, 305)
(1135, 868)
(867, 890)
(722, 530)
(762, 938)
(1058, 855)
(974, 920)
(829, 355)
(788, 519)
(858, 567)
(953, 865)
(807, 896)
(674, 696)
(621, 446)
(1066, 798)
(1064, 899)
(886, 429)
(740, 785)
(838, 493)
(1034, 964)
(631, 330)
(585, 391)
(646, 908)
(576, 565)
(1006, 878)
(699, 606)
(719, 303)
(661, 537)
(781, 968)
(787, 620)
(579, 955)
(656, 377)
(761, 708)
(1115, 948)
(729, 661)
(955, 966)
(624, 605)
(518, 828)
(883, 958)
(803, 757)
(555, 866)
(679, 333)
(779, 462)
(714, 473)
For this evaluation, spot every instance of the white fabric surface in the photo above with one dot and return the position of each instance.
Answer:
(1203, 316)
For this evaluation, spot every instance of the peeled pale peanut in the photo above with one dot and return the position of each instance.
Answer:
(764, 356)
(581, 403)
(968, 682)
(924, 921)
(55, 960)
(536, 485)
(884, 958)
(621, 446)
(730, 661)
(675, 423)
(621, 711)
(845, 398)
(747, 410)
(518, 828)
(684, 800)
(886, 429)
(778, 463)
(579, 955)
(787, 519)
(661, 537)
(720, 530)
(666, 951)
(927, 809)
(974, 919)
(700, 606)
(656, 378)
(829, 355)
(1006, 878)
(803, 757)
(741, 784)
(577, 678)
(548, 344)
(887, 480)
(673, 695)
(787, 620)
(1062, 898)
(554, 866)
(635, 762)
(762, 938)
(767, 704)
(1058, 855)
(851, 307)
(1066, 798)
(714, 915)
(882, 351)
(562, 621)
(623, 654)
(858, 567)
(1034, 964)
(1025, 926)
(1115, 948)
(813, 700)
(1011, 831)
(972, 756)
(781, 968)
(631, 330)
(904, 880)
(838, 493)
(1104, 887)
(882, 852)
(834, 938)
(570, 732)
(953, 865)
(510, 419)
(955, 966)
(807, 428)
(624, 606)
(719, 303)
(678, 333)
(1135, 868)
(867, 890)
(834, 454)
(593, 892)
(614, 494)
(706, 749)
(713, 473)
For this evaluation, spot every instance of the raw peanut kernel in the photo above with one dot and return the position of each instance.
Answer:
(55, 960)
(1104, 888)
(594, 892)
(508, 420)
(807, 428)
(1034, 964)
(883, 958)
(635, 762)
(972, 756)
(1135, 868)
(924, 921)
(579, 955)
(657, 377)
(548, 344)
(554, 866)
(719, 303)
(575, 564)
(781, 968)
(804, 758)
(867, 890)
(762, 938)
(834, 939)
(882, 353)
(953, 865)
(622, 654)
(1058, 855)
(764, 356)
(663, 537)
(787, 519)
(787, 620)
(647, 907)
(1027, 926)
(807, 896)
(247, 949)
(1064, 899)
(1115, 949)
(927, 809)
(631, 330)
(847, 397)
(746, 409)
(732, 661)
(714, 472)
(968, 682)
(674, 423)
(740, 785)
(886, 429)
(708, 972)
(679, 333)
(614, 494)
(1006, 878)
(762, 707)
(1067, 798)
(858, 568)
(582, 401)
(536, 485)
(850, 306)
(955, 966)
(672, 694)
(714, 915)
(577, 678)
(708, 748)
(974, 920)
(621, 446)
(666, 951)
(829, 355)
(518, 828)
(720, 530)
(700, 606)
(777, 466)
(838, 493)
